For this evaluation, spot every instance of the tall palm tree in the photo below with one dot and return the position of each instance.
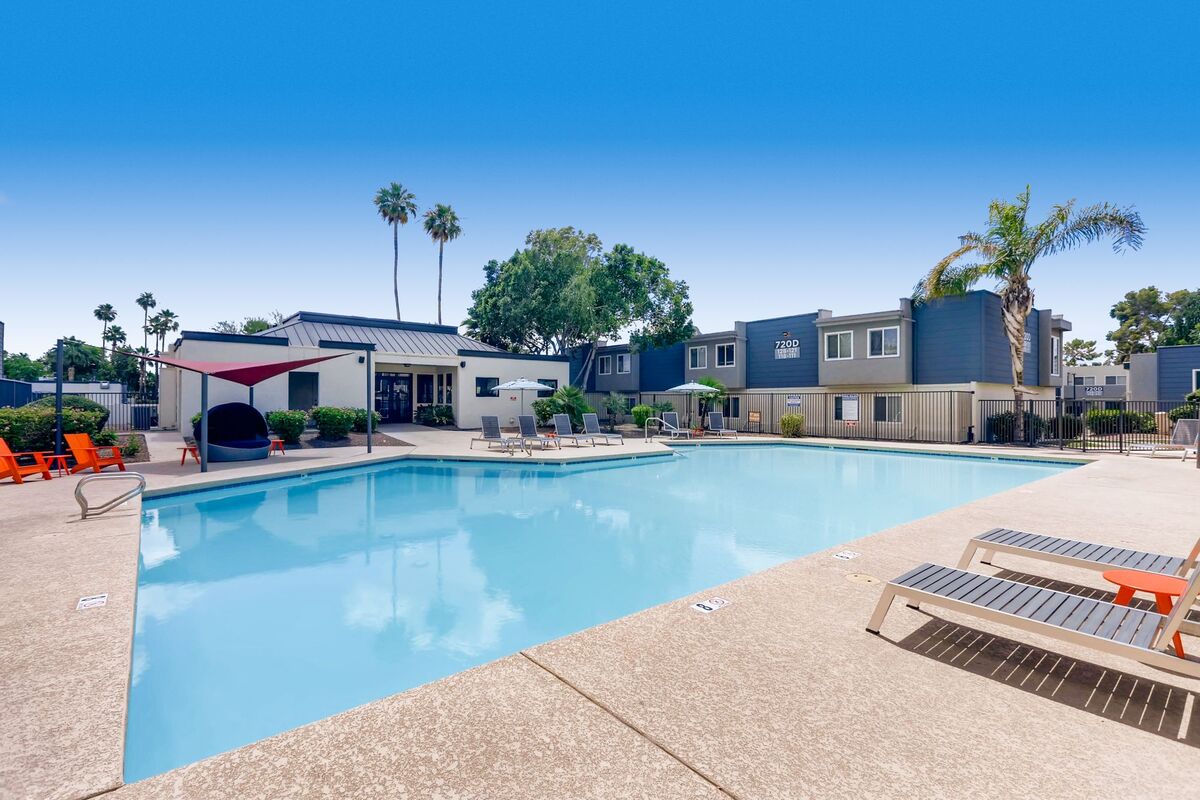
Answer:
(106, 314)
(145, 301)
(1006, 251)
(161, 324)
(441, 223)
(115, 336)
(396, 205)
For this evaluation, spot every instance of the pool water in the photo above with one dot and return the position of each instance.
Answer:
(265, 606)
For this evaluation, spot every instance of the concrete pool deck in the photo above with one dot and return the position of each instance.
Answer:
(780, 694)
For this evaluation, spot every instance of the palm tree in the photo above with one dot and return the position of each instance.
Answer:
(1006, 252)
(115, 336)
(145, 301)
(396, 205)
(441, 223)
(106, 314)
(161, 324)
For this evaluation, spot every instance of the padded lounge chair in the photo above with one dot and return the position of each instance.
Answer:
(1184, 436)
(1072, 552)
(716, 425)
(564, 431)
(670, 424)
(529, 432)
(88, 456)
(492, 435)
(1120, 630)
(591, 426)
(9, 468)
(236, 432)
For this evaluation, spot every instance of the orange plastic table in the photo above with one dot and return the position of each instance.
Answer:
(1163, 587)
(189, 450)
(57, 462)
(276, 444)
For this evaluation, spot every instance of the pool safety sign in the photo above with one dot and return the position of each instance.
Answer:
(849, 408)
(91, 601)
(710, 605)
(846, 555)
(793, 400)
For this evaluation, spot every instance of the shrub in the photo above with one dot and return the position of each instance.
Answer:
(615, 405)
(1066, 427)
(332, 422)
(1001, 427)
(792, 425)
(665, 405)
(75, 402)
(543, 410)
(360, 419)
(641, 413)
(133, 446)
(435, 415)
(568, 400)
(287, 424)
(1187, 411)
(31, 427)
(105, 438)
(1102, 421)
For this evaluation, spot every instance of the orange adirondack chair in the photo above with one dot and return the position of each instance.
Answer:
(9, 468)
(87, 455)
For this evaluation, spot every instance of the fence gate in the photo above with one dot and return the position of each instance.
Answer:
(1083, 425)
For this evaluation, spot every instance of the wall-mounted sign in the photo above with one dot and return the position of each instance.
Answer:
(793, 400)
(1093, 391)
(754, 417)
(787, 348)
(849, 408)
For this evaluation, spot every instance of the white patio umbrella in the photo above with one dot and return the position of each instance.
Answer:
(523, 385)
(691, 389)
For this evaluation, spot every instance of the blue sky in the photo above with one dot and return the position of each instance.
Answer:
(779, 157)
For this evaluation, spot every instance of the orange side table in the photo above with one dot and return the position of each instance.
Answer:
(189, 449)
(57, 462)
(277, 444)
(1163, 587)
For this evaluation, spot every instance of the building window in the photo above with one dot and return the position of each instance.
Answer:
(486, 387)
(551, 382)
(1195, 379)
(449, 388)
(697, 358)
(887, 408)
(733, 407)
(725, 355)
(883, 342)
(1114, 380)
(839, 346)
(623, 360)
(1056, 355)
(604, 367)
(1085, 380)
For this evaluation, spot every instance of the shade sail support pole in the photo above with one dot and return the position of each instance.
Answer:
(204, 422)
(370, 404)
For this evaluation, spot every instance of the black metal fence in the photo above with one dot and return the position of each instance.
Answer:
(14, 393)
(934, 416)
(1098, 425)
(127, 411)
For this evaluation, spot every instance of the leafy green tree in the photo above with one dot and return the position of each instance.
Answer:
(20, 367)
(250, 325)
(1183, 324)
(563, 291)
(1079, 352)
(1141, 322)
(1006, 251)
(396, 205)
(442, 225)
(106, 314)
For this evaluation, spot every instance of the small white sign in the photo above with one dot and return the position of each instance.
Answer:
(710, 605)
(846, 555)
(91, 601)
(793, 400)
(1093, 391)
(850, 408)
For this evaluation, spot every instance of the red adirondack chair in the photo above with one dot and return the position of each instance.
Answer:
(9, 468)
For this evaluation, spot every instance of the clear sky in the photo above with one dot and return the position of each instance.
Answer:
(780, 157)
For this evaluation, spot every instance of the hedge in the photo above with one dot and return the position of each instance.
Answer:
(1102, 421)
(76, 402)
(31, 427)
(332, 422)
(435, 415)
(288, 424)
(360, 419)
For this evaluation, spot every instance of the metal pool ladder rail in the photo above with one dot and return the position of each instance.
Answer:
(116, 501)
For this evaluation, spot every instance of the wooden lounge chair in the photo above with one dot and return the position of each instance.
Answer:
(528, 426)
(670, 424)
(88, 456)
(1121, 630)
(492, 435)
(1087, 555)
(716, 425)
(591, 426)
(564, 431)
(9, 468)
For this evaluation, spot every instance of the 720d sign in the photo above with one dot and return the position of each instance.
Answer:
(787, 348)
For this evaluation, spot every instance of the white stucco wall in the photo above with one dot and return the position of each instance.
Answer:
(507, 405)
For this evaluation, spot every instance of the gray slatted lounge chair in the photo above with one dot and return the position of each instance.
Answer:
(529, 433)
(716, 424)
(670, 424)
(564, 431)
(1120, 630)
(591, 426)
(1184, 436)
(492, 435)
(1072, 552)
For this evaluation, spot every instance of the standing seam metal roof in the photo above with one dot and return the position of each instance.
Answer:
(304, 333)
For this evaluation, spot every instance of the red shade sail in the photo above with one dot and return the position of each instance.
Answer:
(246, 373)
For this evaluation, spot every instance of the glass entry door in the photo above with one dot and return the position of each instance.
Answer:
(393, 396)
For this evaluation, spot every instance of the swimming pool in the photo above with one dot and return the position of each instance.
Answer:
(264, 606)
